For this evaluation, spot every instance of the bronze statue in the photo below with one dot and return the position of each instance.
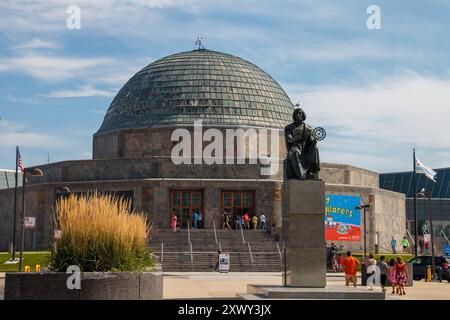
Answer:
(302, 160)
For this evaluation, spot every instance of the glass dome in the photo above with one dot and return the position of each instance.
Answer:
(218, 88)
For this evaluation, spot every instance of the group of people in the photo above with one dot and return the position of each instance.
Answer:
(198, 221)
(395, 271)
(405, 245)
(245, 221)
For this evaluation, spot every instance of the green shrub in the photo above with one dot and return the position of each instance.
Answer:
(99, 233)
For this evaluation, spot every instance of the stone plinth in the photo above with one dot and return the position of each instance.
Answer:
(328, 293)
(304, 233)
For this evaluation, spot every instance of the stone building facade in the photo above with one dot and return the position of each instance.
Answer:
(132, 154)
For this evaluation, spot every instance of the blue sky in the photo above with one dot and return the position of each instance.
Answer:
(379, 93)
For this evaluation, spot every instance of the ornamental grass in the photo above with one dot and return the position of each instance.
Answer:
(100, 233)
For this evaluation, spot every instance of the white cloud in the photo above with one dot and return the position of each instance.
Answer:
(84, 91)
(50, 67)
(383, 119)
(36, 44)
(16, 134)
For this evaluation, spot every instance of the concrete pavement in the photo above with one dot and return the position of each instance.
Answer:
(211, 285)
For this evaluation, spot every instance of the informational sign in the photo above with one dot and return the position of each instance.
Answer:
(446, 250)
(224, 262)
(58, 234)
(30, 222)
(342, 220)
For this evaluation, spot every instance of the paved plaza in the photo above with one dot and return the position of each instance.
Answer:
(233, 285)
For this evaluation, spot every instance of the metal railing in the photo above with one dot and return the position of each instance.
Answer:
(162, 252)
(242, 234)
(250, 251)
(279, 251)
(410, 236)
(445, 236)
(189, 232)
(215, 231)
(190, 249)
(220, 247)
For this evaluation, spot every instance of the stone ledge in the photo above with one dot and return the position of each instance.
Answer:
(331, 292)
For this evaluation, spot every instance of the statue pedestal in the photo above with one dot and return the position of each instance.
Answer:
(304, 246)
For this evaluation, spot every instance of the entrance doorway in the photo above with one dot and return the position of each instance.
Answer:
(236, 204)
(183, 203)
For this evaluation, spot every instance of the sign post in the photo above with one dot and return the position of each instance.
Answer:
(224, 262)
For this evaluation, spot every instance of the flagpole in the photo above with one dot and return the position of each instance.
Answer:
(415, 203)
(13, 253)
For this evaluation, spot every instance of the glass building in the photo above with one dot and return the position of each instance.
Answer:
(440, 198)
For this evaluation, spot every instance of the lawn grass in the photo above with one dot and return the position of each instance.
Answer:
(31, 259)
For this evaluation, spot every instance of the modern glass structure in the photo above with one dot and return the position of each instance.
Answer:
(440, 198)
(8, 179)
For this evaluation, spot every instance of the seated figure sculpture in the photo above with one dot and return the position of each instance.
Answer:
(302, 160)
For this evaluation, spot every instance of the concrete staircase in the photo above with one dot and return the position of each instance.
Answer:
(177, 256)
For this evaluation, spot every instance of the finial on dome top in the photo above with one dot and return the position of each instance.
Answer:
(198, 43)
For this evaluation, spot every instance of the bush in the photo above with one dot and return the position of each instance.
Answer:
(99, 233)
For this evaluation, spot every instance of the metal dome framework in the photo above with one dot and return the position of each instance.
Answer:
(217, 88)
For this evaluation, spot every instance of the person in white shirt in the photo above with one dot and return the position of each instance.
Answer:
(262, 219)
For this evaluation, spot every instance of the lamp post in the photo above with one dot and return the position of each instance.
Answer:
(425, 194)
(365, 208)
(33, 173)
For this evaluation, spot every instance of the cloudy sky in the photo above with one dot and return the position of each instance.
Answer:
(379, 93)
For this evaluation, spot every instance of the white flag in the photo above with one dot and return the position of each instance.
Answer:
(430, 173)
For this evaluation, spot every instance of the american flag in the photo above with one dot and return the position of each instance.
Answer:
(20, 164)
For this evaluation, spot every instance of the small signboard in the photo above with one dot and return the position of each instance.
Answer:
(224, 262)
(58, 234)
(30, 222)
(446, 250)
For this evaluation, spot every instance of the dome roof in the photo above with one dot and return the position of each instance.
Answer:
(215, 87)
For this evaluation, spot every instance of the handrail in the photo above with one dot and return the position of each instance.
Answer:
(410, 236)
(250, 250)
(215, 232)
(220, 247)
(279, 251)
(189, 232)
(162, 252)
(192, 256)
(445, 236)
(242, 234)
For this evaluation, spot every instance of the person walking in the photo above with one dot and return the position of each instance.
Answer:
(391, 275)
(218, 259)
(173, 223)
(255, 222)
(371, 271)
(226, 221)
(237, 222)
(405, 244)
(383, 267)
(194, 219)
(350, 265)
(401, 275)
(200, 220)
(247, 220)
(394, 245)
(262, 219)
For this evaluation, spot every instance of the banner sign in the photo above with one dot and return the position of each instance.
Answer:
(224, 262)
(30, 222)
(342, 220)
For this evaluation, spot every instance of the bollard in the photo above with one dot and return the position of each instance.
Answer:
(429, 273)
(27, 269)
(37, 268)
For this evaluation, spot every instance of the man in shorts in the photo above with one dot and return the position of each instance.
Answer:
(350, 265)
